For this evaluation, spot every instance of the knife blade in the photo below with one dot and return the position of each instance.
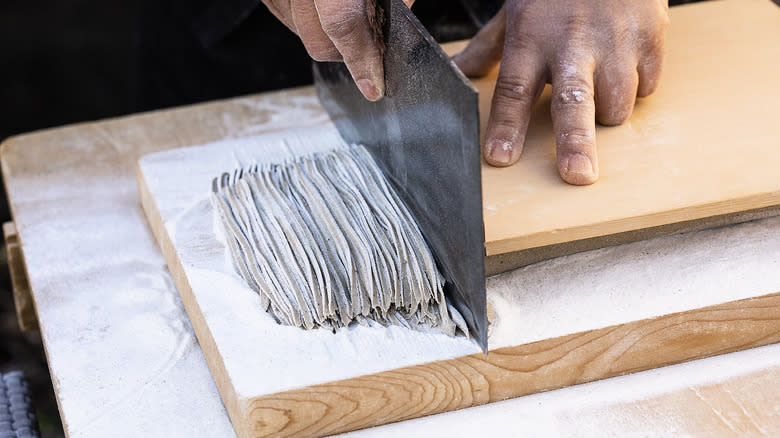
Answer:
(424, 134)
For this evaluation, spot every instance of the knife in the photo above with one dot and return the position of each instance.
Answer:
(424, 135)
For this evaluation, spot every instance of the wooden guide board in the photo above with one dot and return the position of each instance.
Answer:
(437, 374)
(705, 144)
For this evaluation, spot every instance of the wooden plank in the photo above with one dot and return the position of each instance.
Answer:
(327, 401)
(607, 324)
(98, 277)
(87, 186)
(122, 398)
(499, 263)
(511, 372)
(706, 397)
(25, 307)
(703, 145)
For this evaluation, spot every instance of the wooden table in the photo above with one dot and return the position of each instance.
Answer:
(121, 350)
(122, 354)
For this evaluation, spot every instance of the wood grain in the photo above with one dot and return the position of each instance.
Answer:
(510, 372)
(444, 385)
(690, 399)
(105, 154)
(440, 386)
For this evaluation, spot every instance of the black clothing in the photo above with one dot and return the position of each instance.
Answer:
(197, 50)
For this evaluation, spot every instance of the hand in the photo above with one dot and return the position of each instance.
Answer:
(599, 55)
(339, 30)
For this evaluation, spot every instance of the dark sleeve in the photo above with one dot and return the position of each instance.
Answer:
(481, 11)
(197, 50)
(221, 17)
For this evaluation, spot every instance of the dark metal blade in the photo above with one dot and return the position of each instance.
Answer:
(424, 134)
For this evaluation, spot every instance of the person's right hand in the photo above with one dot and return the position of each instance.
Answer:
(599, 56)
(339, 30)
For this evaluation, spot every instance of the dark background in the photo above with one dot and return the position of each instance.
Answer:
(70, 61)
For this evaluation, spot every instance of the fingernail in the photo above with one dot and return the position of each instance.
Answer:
(368, 89)
(499, 152)
(578, 169)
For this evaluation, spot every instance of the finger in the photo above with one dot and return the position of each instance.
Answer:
(519, 84)
(282, 10)
(616, 89)
(649, 70)
(652, 61)
(309, 29)
(347, 24)
(573, 114)
(485, 49)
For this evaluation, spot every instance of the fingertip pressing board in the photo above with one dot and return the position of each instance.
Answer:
(564, 321)
(702, 151)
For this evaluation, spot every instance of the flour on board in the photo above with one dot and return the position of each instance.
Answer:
(326, 241)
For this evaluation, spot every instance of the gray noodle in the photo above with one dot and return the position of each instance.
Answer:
(326, 241)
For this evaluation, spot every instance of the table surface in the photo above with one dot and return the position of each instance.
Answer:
(124, 359)
(123, 356)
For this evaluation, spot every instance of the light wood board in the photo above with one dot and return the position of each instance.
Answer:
(88, 184)
(548, 330)
(704, 145)
(88, 250)
(639, 404)
(88, 247)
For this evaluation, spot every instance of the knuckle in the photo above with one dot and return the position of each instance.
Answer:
(652, 38)
(502, 123)
(504, 118)
(574, 92)
(321, 49)
(517, 41)
(576, 137)
(514, 88)
(576, 24)
(343, 25)
(653, 42)
(624, 35)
